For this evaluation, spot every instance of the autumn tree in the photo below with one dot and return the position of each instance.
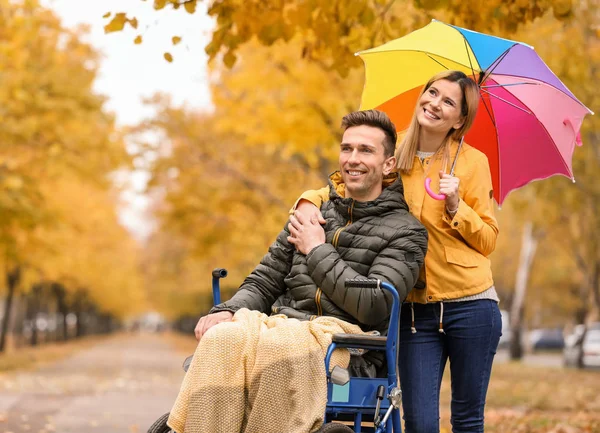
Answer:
(219, 202)
(572, 50)
(58, 145)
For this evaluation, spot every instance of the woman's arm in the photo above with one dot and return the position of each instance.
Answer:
(309, 203)
(474, 219)
(315, 196)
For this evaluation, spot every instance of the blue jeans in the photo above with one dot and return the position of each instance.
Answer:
(472, 330)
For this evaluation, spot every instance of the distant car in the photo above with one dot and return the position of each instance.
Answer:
(546, 339)
(582, 347)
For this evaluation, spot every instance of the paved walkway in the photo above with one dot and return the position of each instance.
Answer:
(120, 385)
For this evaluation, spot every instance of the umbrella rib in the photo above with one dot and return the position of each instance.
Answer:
(540, 82)
(479, 81)
(541, 126)
(439, 63)
(496, 63)
(566, 165)
(507, 85)
(505, 53)
(488, 111)
(417, 51)
(469, 57)
(508, 102)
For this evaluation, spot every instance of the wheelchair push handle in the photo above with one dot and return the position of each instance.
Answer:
(373, 283)
(363, 283)
(217, 274)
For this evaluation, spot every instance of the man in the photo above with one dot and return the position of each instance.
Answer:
(252, 363)
(368, 232)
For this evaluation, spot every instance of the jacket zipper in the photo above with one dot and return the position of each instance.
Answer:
(318, 301)
(334, 242)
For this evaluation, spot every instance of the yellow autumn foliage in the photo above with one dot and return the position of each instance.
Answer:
(58, 149)
(332, 31)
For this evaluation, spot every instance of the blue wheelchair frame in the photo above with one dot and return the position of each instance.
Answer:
(360, 396)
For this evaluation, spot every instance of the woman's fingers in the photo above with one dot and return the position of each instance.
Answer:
(295, 223)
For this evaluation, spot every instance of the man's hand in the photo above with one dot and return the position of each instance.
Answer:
(309, 210)
(305, 233)
(207, 322)
(449, 187)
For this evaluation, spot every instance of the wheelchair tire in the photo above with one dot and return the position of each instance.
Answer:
(335, 428)
(160, 425)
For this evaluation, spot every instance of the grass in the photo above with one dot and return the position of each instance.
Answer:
(530, 399)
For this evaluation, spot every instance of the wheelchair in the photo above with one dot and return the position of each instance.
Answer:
(354, 404)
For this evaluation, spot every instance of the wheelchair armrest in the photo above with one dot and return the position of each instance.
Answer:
(359, 340)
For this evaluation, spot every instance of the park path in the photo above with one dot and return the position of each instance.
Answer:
(120, 385)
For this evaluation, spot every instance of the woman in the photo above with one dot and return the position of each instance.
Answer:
(452, 314)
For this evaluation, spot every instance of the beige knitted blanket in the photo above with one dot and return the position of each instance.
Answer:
(259, 374)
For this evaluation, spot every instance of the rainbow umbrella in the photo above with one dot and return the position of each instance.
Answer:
(528, 122)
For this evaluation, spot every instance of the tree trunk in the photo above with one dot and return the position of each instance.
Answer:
(33, 308)
(595, 289)
(528, 248)
(12, 280)
(79, 307)
(60, 294)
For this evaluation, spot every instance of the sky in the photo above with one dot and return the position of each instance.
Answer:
(129, 73)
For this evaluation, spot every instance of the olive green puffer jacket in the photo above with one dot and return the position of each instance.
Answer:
(376, 239)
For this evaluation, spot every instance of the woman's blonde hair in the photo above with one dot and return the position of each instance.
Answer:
(409, 145)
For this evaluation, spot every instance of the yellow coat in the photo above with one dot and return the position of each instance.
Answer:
(456, 264)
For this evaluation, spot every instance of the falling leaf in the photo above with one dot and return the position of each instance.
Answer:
(176, 39)
(133, 22)
(190, 6)
(229, 59)
(159, 4)
(138, 40)
(116, 24)
(168, 57)
(106, 15)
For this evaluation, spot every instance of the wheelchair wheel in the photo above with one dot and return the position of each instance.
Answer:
(335, 428)
(160, 425)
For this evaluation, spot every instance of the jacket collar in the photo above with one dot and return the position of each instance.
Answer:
(391, 197)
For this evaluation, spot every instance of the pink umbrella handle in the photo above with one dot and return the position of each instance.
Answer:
(430, 191)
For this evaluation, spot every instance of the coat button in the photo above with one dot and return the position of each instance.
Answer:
(431, 297)
(455, 224)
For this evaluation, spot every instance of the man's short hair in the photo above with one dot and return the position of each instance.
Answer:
(376, 119)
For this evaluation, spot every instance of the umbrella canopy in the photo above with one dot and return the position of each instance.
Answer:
(527, 123)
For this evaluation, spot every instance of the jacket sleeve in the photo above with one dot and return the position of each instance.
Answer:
(475, 220)
(266, 282)
(397, 264)
(315, 196)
